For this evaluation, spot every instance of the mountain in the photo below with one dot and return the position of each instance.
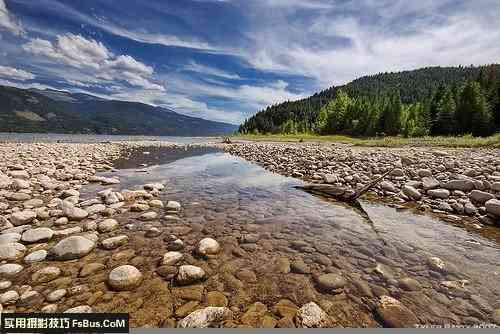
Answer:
(416, 86)
(35, 110)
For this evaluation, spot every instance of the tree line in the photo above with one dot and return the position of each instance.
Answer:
(430, 101)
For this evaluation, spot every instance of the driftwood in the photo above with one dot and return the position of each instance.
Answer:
(339, 193)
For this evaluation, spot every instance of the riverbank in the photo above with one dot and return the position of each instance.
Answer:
(182, 236)
(463, 141)
(453, 182)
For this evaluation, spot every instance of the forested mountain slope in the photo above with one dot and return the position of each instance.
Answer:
(433, 100)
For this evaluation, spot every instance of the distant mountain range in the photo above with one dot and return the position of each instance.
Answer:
(52, 111)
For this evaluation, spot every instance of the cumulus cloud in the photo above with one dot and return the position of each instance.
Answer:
(95, 60)
(7, 22)
(15, 74)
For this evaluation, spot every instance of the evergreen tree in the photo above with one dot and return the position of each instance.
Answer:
(445, 121)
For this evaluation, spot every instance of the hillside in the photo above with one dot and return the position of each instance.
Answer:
(35, 110)
(410, 88)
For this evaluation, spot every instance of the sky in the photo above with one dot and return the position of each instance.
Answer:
(225, 60)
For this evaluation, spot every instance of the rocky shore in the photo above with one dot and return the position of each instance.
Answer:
(73, 240)
(457, 183)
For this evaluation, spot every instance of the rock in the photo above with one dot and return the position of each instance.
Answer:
(463, 185)
(91, 268)
(409, 284)
(46, 274)
(72, 212)
(11, 251)
(96, 208)
(208, 246)
(5, 181)
(329, 282)
(10, 270)
(9, 238)
(124, 277)
(171, 258)
(300, 267)
(469, 208)
(56, 295)
(189, 274)
(50, 308)
(216, 298)
(186, 309)
(283, 265)
(206, 317)
(173, 206)
(496, 316)
(40, 234)
(330, 178)
(246, 275)
(79, 309)
(156, 203)
(19, 174)
(479, 196)
(36, 256)
(439, 193)
(167, 272)
(152, 232)
(71, 248)
(285, 308)
(436, 264)
(493, 207)
(61, 221)
(5, 285)
(9, 297)
(107, 225)
(312, 316)
(114, 242)
(411, 192)
(394, 314)
(22, 217)
(30, 298)
(388, 186)
(147, 216)
(154, 186)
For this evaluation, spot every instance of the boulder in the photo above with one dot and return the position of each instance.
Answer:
(11, 251)
(171, 258)
(493, 207)
(329, 282)
(479, 196)
(107, 225)
(114, 242)
(10, 269)
(439, 193)
(72, 212)
(411, 192)
(463, 185)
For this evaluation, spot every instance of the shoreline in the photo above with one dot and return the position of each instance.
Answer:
(72, 239)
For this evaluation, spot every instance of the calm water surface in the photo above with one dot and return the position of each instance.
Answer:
(229, 197)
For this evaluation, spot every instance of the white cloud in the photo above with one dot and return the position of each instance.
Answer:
(7, 21)
(15, 74)
(94, 59)
(208, 70)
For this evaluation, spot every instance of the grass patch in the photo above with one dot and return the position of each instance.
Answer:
(462, 141)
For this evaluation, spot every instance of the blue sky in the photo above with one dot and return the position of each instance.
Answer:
(226, 59)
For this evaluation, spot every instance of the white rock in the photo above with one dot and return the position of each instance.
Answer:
(37, 235)
(189, 274)
(411, 192)
(173, 206)
(79, 309)
(11, 251)
(10, 269)
(107, 225)
(9, 297)
(207, 317)
(9, 238)
(114, 242)
(72, 212)
(124, 277)
(22, 217)
(73, 247)
(56, 295)
(208, 246)
(36, 256)
(312, 316)
(171, 258)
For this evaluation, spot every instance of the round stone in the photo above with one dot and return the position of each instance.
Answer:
(312, 316)
(171, 258)
(12, 251)
(125, 277)
(22, 217)
(56, 295)
(36, 256)
(107, 225)
(151, 215)
(330, 282)
(40, 234)
(72, 212)
(9, 238)
(5, 285)
(79, 309)
(73, 247)
(207, 317)
(10, 269)
(208, 246)
(189, 274)
(89, 269)
(114, 242)
(9, 297)
(46, 274)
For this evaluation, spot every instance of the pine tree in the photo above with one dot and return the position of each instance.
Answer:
(445, 120)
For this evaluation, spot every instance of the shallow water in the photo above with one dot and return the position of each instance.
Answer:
(225, 197)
